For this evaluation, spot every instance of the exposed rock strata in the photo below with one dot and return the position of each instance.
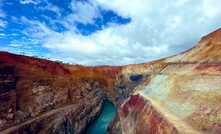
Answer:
(182, 94)
(178, 94)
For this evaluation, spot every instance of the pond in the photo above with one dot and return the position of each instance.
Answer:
(99, 126)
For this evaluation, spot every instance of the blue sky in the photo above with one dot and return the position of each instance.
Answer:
(98, 32)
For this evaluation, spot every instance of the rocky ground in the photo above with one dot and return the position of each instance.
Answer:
(178, 94)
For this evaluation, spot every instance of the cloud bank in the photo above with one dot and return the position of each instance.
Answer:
(157, 29)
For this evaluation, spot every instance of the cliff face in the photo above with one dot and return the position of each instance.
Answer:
(182, 94)
(179, 94)
(42, 96)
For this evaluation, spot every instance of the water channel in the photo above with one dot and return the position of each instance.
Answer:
(99, 126)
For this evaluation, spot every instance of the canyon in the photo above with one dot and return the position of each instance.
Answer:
(177, 94)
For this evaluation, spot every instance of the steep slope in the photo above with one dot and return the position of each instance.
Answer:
(35, 93)
(178, 94)
(182, 94)
(39, 96)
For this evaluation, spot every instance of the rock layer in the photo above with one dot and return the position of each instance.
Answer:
(178, 94)
(182, 94)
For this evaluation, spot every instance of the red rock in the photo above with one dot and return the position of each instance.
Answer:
(178, 94)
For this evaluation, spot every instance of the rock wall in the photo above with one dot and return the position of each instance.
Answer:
(43, 94)
(181, 95)
(178, 94)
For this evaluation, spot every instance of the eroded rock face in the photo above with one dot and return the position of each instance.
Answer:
(179, 94)
(138, 115)
(182, 94)
(52, 97)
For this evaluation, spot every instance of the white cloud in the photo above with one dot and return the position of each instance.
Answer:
(83, 12)
(2, 23)
(35, 2)
(158, 29)
(212, 7)
(3, 15)
(37, 29)
(51, 7)
(2, 34)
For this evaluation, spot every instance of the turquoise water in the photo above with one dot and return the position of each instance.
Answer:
(99, 126)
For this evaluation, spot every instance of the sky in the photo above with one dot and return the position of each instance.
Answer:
(103, 32)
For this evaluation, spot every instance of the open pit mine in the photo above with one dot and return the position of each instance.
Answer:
(180, 94)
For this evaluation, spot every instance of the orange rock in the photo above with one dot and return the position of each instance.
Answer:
(178, 94)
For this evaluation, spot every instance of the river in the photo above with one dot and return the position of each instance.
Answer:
(99, 126)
